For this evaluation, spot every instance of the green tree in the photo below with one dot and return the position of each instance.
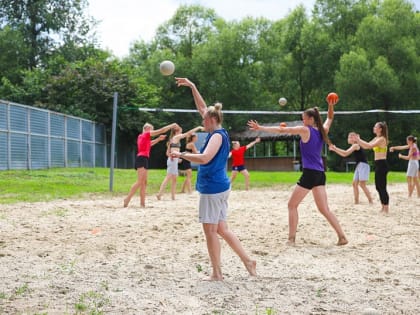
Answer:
(175, 40)
(190, 26)
(309, 58)
(13, 54)
(390, 37)
(354, 79)
(341, 20)
(44, 24)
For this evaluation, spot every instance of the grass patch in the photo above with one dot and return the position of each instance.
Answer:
(91, 303)
(66, 183)
(21, 290)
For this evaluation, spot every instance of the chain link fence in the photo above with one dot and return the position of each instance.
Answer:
(33, 138)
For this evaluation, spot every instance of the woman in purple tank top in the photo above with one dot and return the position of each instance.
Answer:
(313, 134)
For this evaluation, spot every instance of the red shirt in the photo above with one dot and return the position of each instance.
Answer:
(144, 144)
(238, 156)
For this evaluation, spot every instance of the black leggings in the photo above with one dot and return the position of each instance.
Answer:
(381, 171)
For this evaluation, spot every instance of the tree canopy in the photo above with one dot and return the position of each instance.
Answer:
(365, 50)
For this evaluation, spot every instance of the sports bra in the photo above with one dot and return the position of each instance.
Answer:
(380, 149)
(416, 153)
(175, 145)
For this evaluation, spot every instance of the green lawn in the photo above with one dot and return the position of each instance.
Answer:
(60, 183)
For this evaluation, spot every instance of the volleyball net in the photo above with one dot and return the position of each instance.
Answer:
(401, 123)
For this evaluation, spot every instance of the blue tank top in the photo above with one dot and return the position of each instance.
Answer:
(311, 151)
(212, 177)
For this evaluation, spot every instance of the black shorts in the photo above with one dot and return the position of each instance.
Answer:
(184, 165)
(238, 168)
(141, 161)
(311, 179)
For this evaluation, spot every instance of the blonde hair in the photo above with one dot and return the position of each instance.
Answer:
(146, 126)
(215, 111)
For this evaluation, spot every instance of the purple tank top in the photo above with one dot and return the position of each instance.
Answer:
(311, 151)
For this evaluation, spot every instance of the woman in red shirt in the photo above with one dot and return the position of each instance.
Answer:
(144, 144)
(238, 160)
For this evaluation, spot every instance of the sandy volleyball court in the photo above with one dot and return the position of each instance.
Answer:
(92, 255)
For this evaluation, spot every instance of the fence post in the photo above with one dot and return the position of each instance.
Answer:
(114, 127)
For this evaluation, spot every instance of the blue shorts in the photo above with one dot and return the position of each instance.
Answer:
(311, 179)
(238, 168)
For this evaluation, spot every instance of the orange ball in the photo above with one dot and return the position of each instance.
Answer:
(332, 97)
(283, 124)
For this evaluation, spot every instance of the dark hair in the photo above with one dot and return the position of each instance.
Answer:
(190, 137)
(314, 113)
(384, 130)
(412, 138)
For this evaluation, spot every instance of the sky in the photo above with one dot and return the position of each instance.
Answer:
(124, 21)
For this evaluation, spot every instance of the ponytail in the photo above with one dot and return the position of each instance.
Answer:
(412, 138)
(384, 130)
(314, 113)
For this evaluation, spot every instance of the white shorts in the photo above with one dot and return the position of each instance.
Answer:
(361, 173)
(213, 207)
(413, 168)
(172, 166)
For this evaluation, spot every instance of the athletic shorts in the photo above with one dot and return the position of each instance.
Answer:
(311, 178)
(213, 207)
(185, 165)
(141, 161)
(172, 166)
(413, 168)
(361, 173)
(238, 168)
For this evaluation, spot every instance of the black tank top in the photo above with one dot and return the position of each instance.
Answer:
(360, 156)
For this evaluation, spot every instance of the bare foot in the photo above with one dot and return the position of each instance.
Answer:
(142, 205)
(158, 197)
(214, 278)
(385, 209)
(126, 202)
(342, 240)
(251, 266)
(291, 241)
